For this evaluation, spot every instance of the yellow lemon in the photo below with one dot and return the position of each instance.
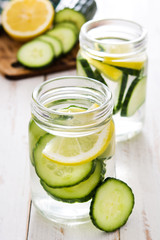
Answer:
(26, 19)
(73, 151)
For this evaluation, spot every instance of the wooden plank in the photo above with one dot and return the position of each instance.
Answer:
(14, 162)
(40, 228)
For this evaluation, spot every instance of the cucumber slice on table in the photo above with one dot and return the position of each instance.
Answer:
(35, 54)
(35, 133)
(81, 192)
(66, 35)
(58, 175)
(83, 68)
(119, 93)
(68, 14)
(55, 42)
(135, 97)
(111, 205)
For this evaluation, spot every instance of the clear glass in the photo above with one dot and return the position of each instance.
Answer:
(70, 113)
(113, 51)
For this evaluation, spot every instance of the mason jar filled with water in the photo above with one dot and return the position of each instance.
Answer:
(113, 51)
(71, 143)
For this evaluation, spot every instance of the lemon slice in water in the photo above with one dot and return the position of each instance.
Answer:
(72, 151)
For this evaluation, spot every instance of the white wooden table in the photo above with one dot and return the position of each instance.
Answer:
(137, 160)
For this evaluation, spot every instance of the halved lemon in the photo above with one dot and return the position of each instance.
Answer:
(26, 19)
(73, 151)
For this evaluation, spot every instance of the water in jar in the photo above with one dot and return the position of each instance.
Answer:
(66, 169)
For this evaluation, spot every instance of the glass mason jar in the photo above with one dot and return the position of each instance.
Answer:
(113, 51)
(71, 142)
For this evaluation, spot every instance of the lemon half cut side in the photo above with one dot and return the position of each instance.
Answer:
(26, 19)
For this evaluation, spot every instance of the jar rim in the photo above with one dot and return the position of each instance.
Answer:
(88, 42)
(43, 114)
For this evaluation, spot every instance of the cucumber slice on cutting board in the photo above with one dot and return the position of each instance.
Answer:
(35, 54)
(83, 68)
(111, 205)
(119, 93)
(135, 97)
(66, 35)
(69, 24)
(68, 14)
(81, 192)
(55, 42)
(58, 175)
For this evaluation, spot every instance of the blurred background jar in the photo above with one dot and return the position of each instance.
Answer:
(113, 51)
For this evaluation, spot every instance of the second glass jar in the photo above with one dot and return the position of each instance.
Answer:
(113, 51)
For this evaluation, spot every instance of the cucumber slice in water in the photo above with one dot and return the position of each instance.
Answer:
(35, 54)
(111, 205)
(135, 97)
(119, 93)
(35, 133)
(81, 192)
(83, 68)
(58, 175)
(66, 35)
(99, 77)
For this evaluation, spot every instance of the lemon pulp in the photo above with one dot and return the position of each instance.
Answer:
(72, 151)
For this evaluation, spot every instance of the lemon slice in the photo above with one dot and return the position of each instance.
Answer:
(132, 63)
(72, 109)
(110, 72)
(72, 151)
(25, 19)
(135, 64)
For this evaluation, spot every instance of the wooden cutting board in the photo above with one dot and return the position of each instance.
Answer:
(12, 70)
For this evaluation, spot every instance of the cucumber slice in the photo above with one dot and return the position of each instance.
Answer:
(34, 134)
(99, 77)
(58, 175)
(68, 14)
(111, 205)
(35, 54)
(55, 42)
(84, 69)
(70, 25)
(81, 192)
(66, 35)
(130, 71)
(119, 93)
(135, 97)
